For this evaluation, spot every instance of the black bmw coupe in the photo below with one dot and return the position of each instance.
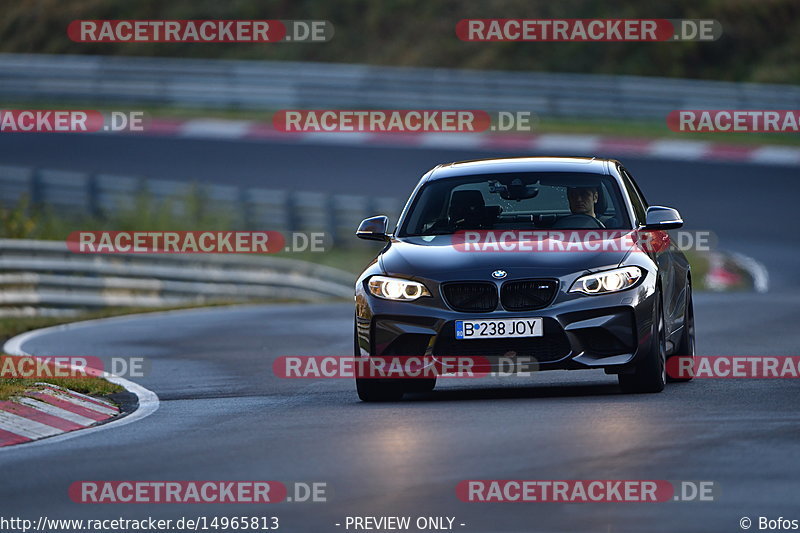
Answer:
(550, 263)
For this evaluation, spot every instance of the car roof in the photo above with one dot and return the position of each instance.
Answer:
(522, 164)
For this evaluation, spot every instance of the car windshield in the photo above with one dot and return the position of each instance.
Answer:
(516, 201)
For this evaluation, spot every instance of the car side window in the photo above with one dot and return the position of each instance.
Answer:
(637, 200)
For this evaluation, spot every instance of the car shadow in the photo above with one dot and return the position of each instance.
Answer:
(516, 392)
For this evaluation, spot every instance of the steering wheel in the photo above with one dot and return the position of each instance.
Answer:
(578, 221)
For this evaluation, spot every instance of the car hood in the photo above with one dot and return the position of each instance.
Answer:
(439, 258)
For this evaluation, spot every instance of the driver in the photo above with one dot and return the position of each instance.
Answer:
(582, 200)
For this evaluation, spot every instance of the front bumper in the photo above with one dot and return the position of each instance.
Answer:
(603, 331)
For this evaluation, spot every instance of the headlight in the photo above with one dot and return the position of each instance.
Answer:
(396, 288)
(615, 280)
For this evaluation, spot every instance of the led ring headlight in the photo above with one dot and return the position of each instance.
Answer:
(609, 281)
(396, 288)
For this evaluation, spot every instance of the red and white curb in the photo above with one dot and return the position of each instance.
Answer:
(588, 145)
(54, 414)
(50, 411)
(721, 278)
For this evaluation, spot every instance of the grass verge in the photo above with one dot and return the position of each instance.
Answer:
(93, 386)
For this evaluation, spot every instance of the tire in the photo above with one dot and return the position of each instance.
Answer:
(375, 389)
(685, 348)
(378, 390)
(420, 385)
(649, 374)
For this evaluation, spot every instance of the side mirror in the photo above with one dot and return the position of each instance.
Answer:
(662, 218)
(373, 229)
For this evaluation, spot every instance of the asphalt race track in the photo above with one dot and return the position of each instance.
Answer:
(224, 415)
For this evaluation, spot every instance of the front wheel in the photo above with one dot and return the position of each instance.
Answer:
(684, 352)
(375, 389)
(650, 374)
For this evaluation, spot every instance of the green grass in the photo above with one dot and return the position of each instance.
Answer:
(93, 386)
(142, 212)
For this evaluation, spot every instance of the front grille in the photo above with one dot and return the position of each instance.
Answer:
(528, 294)
(471, 296)
(552, 346)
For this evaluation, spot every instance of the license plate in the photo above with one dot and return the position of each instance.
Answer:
(499, 329)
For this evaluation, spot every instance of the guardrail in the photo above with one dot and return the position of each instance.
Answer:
(246, 208)
(44, 277)
(272, 85)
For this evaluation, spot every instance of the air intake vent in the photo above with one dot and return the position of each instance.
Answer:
(528, 294)
(473, 296)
